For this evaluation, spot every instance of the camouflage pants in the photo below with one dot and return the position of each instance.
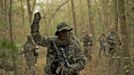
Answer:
(30, 61)
(103, 48)
(87, 52)
(112, 50)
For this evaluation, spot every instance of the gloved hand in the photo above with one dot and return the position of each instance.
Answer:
(35, 24)
(68, 71)
(37, 17)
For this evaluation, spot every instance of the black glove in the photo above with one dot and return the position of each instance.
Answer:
(35, 24)
(37, 17)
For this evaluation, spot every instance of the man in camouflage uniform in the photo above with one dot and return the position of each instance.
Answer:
(87, 43)
(30, 52)
(102, 41)
(58, 47)
(112, 40)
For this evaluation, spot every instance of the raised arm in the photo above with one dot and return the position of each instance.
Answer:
(42, 41)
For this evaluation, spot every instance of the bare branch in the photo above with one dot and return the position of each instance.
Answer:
(34, 3)
(57, 10)
(30, 9)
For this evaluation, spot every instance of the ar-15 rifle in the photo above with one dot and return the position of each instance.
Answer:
(64, 61)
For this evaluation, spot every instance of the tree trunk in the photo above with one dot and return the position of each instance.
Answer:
(1, 6)
(30, 9)
(80, 21)
(99, 14)
(124, 38)
(131, 27)
(74, 17)
(22, 13)
(115, 7)
(124, 31)
(105, 13)
(117, 65)
(5, 13)
(10, 22)
(130, 22)
(90, 16)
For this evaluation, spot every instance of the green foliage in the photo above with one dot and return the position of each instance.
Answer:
(8, 51)
(5, 44)
(1, 23)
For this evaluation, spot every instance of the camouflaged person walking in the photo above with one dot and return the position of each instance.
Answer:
(64, 55)
(102, 44)
(30, 53)
(113, 40)
(87, 43)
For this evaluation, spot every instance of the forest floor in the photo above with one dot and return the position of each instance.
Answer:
(97, 65)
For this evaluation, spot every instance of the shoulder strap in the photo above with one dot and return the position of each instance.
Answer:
(55, 47)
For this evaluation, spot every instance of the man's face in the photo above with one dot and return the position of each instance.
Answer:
(111, 30)
(65, 34)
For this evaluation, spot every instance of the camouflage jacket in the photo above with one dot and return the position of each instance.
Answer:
(112, 39)
(87, 41)
(102, 41)
(74, 52)
(29, 49)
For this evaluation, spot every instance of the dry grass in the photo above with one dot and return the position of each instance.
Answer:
(97, 65)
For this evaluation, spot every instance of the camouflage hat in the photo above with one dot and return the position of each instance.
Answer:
(63, 26)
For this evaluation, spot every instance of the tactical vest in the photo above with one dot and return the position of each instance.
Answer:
(112, 39)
